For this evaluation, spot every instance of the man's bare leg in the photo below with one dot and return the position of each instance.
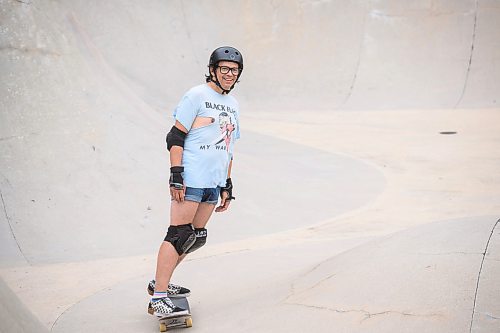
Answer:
(180, 213)
(200, 220)
(203, 214)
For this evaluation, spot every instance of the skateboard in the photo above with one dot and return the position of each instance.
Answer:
(177, 321)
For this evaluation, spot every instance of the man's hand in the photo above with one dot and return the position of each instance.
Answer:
(224, 203)
(177, 188)
(226, 195)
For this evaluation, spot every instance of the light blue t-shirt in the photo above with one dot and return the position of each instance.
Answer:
(208, 149)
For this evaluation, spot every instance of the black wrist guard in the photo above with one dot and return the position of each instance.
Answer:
(229, 189)
(176, 179)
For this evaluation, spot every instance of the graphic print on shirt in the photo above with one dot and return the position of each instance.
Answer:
(226, 128)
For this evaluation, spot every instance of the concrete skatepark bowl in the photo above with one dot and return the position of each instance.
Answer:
(367, 173)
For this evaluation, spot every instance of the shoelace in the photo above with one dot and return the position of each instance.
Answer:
(174, 289)
(168, 302)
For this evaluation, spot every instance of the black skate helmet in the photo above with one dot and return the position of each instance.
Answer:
(224, 53)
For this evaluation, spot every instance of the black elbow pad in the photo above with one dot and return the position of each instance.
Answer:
(175, 137)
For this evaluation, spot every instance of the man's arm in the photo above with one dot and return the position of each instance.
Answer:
(177, 188)
(176, 151)
(229, 168)
(226, 195)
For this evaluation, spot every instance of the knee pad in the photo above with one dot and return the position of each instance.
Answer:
(201, 239)
(182, 237)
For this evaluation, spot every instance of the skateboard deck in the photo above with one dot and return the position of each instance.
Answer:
(177, 321)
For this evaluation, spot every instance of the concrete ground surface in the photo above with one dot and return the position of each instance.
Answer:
(367, 177)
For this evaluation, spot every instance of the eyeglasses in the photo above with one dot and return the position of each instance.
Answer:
(225, 70)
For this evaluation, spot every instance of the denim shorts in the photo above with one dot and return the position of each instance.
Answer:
(207, 195)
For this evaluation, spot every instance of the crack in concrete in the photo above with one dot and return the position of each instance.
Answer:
(470, 57)
(479, 274)
(370, 315)
(358, 63)
(450, 253)
(293, 291)
(490, 316)
(9, 222)
(367, 315)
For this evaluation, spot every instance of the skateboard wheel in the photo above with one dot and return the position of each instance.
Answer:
(189, 322)
(163, 327)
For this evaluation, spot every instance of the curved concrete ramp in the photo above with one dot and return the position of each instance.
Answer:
(432, 278)
(86, 96)
(14, 315)
(88, 160)
(486, 317)
(306, 54)
(299, 55)
(440, 277)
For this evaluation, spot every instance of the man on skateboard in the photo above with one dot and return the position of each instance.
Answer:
(201, 154)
